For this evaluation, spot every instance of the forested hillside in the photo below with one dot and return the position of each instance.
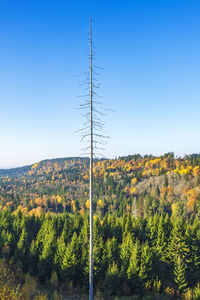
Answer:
(135, 184)
(146, 227)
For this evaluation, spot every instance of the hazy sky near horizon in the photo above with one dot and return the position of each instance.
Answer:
(150, 52)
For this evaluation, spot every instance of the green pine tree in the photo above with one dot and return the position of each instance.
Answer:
(70, 265)
(178, 245)
(133, 270)
(161, 242)
(146, 262)
(179, 275)
(126, 250)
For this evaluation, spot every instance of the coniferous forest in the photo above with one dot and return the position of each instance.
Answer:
(146, 229)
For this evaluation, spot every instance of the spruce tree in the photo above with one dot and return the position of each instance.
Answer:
(179, 274)
(178, 246)
(111, 251)
(60, 253)
(134, 269)
(112, 282)
(161, 241)
(99, 258)
(70, 264)
(146, 262)
(126, 250)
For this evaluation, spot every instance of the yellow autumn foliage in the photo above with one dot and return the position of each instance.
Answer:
(59, 198)
(132, 190)
(82, 211)
(87, 204)
(192, 196)
(184, 171)
(196, 171)
(36, 211)
(35, 166)
(134, 181)
(73, 205)
(100, 203)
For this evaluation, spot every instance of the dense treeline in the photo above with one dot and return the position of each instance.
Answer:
(135, 184)
(153, 255)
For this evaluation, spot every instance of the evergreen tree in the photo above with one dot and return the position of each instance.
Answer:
(146, 262)
(99, 258)
(33, 258)
(161, 241)
(60, 253)
(112, 282)
(196, 294)
(178, 246)
(111, 251)
(128, 224)
(134, 269)
(46, 244)
(126, 250)
(153, 229)
(70, 265)
(22, 249)
(193, 236)
(179, 274)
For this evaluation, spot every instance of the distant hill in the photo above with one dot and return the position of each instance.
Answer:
(12, 172)
(44, 164)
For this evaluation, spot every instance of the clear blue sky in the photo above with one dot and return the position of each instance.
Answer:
(150, 51)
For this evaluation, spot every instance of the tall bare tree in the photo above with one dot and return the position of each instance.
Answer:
(92, 134)
(91, 173)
